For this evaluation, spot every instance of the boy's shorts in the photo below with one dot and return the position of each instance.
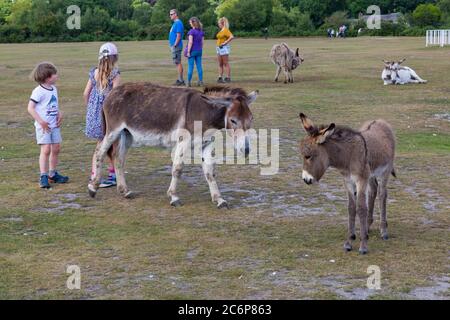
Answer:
(176, 55)
(52, 137)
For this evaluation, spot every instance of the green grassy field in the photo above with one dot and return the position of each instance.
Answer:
(281, 239)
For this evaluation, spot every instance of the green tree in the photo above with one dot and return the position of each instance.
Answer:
(444, 5)
(337, 19)
(427, 15)
(249, 15)
(5, 10)
(95, 21)
(142, 12)
(318, 10)
(44, 21)
(19, 13)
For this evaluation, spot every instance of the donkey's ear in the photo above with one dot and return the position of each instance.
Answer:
(218, 102)
(325, 133)
(401, 61)
(307, 123)
(297, 53)
(387, 64)
(252, 97)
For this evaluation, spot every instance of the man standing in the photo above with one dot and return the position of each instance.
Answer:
(176, 45)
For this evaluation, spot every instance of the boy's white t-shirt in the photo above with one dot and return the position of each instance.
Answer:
(46, 105)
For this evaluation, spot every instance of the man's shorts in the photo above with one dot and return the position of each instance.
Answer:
(52, 137)
(176, 55)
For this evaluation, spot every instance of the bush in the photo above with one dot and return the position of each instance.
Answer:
(123, 28)
(238, 14)
(158, 31)
(292, 23)
(12, 34)
(427, 15)
(210, 32)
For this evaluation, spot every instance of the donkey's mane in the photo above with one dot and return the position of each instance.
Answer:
(341, 133)
(226, 92)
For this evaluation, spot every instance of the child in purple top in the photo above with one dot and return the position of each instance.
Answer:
(194, 50)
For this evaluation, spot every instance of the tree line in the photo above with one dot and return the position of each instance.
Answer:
(101, 20)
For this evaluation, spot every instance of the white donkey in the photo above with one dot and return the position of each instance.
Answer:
(393, 73)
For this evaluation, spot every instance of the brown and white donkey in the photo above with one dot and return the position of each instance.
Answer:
(153, 115)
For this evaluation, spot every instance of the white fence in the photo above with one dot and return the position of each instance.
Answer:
(438, 38)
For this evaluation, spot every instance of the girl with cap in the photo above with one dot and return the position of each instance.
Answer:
(102, 79)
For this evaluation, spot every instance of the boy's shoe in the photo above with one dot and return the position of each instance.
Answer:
(200, 84)
(108, 183)
(220, 80)
(189, 84)
(43, 182)
(57, 178)
(227, 80)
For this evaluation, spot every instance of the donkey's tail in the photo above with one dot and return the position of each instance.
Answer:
(394, 174)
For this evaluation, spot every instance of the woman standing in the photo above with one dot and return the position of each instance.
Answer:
(194, 50)
(224, 37)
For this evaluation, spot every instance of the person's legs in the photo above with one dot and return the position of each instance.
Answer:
(220, 61)
(44, 158)
(43, 166)
(191, 61)
(226, 66)
(54, 176)
(111, 168)
(176, 57)
(180, 72)
(55, 149)
(198, 62)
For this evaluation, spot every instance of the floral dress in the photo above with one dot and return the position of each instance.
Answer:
(94, 117)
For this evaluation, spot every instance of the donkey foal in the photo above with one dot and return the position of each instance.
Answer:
(366, 160)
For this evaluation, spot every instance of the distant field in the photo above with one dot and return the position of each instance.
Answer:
(281, 239)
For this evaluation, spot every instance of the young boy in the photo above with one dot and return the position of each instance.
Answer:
(44, 109)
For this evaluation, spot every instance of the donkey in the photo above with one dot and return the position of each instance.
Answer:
(366, 160)
(393, 73)
(153, 115)
(285, 58)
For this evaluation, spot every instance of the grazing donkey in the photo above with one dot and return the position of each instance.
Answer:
(366, 160)
(285, 58)
(153, 115)
(393, 73)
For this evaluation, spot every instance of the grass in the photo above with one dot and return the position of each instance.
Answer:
(282, 239)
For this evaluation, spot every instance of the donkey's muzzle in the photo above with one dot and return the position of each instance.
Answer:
(307, 178)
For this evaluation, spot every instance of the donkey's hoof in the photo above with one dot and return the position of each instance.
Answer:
(385, 236)
(176, 204)
(363, 251)
(348, 247)
(92, 191)
(129, 195)
(223, 205)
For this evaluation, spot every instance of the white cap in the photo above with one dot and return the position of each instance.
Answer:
(108, 49)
